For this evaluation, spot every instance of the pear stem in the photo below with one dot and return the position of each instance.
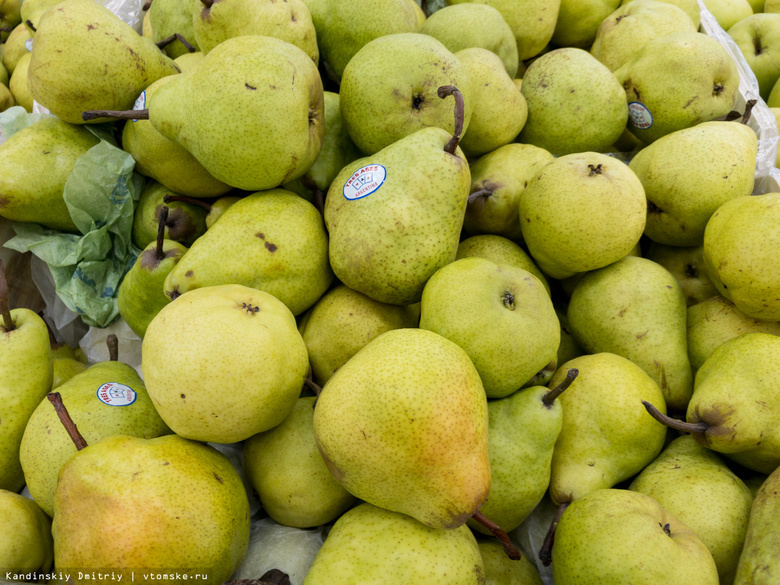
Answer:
(191, 200)
(313, 386)
(207, 3)
(511, 551)
(748, 110)
(481, 193)
(443, 92)
(117, 114)
(147, 5)
(550, 397)
(29, 24)
(678, 425)
(8, 321)
(545, 553)
(113, 347)
(5, 29)
(67, 422)
(175, 37)
(158, 252)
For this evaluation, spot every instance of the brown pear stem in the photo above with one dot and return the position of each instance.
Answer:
(67, 422)
(511, 551)
(550, 397)
(147, 5)
(113, 347)
(116, 114)
(175, 37)
(748, 110)
(313, 386)
(6, 29)
(191, 200)
(29, 24)
(481, 193)
(207, 3)
(443, 92)
(678, 425)
(545, 553)
(161, 221)
(8, 321)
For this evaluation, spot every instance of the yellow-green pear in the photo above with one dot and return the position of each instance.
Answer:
(18, 83)
(33, 10)
(3, 75)
(289, 475)
(757, 37)
(188, 61)
(25, 545)
(218, 208)
(185, 222)
(687, 266)
(15, 47)
(63, 369)
(146, 26)
(173, 17)
(758, 563)
(579, 20)
(6, 98)
(691, 8)
(501, 570)
(10, 16)
(728, 12)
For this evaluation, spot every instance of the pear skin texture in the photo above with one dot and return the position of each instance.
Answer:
(108, 71)
(561, 237)
(636, 309)
(522, 432)
(693, 484)
(46, 446)
(757, 36)
(6, 98)
(579, 20)
(34, 10)
(26, 544)
(343, 322)
(26, 366)
(389, 243)
(372, 546)
(501, 570)
(500, 315)
(218, 208)
(607, 436)
(251, 113)
(683, 191)
(272, 241)
(64, 369)
(162, 503)
(14, 47)
(18, 83)
(681, 79)
(384, 100)
(735, 394)
(172, 17)
(224, 334)
(614, 537)
(691, 8)
(758, 563)
(185, 223)
(403, 425)
(288, 473)
(687, 266)
(742, 254)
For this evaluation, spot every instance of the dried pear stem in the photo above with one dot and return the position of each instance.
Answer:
(207, 3)
(748, 110)
(443, 92)
(29, 24)
(67, 422)
(550, 397)
(175, 37)
(511, 551)
(158, 252)
(8, 321)
(481, 193)
(678, 425)
(116, 114)
(313, 386)
(191, 200)
(545, 553)
(113, 347)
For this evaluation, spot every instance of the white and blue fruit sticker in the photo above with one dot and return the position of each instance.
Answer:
(116, 394)
(364, 181)
(639, 115)
(140, 103)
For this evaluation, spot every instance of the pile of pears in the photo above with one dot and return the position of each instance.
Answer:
(439, 276)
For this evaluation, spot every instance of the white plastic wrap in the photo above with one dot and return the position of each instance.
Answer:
(128, 10)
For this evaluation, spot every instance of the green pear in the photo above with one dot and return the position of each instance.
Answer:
(18, 83)
(10, 16)
(614, 537)
(624, 32)
(3, 75)
(188, 61)
(687, 266)
(110, 67)
(108, 398)
(273, 241)
(575, 104)
(606, 436)
(579, 21)
(474, 25)
(288, 473)
(501, 570)
(173, 17)
(384, 100)
(218, 333)
(500, 315)
(568, 349)
(691, 8)
(562, 238)
(635, 308)
(63, 369)
(716, 320)
(26, 544)
(742, 255)
(369, 546)
(499, 110)
(758, 563)
(498, 180)
(684, 190)
(728, 12)
(343, 322)
(33, 10)
(184, 223)
(386, 436)
(218, 208)
(757, 36)
(6, 98)
(677, 81)
(15, 47)
(147, 31)
(695, 486)
(164, 160)
(168, 505)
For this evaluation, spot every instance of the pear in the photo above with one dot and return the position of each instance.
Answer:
(26, 544)
(33, 10)
(214, 334)
(618, 536)
(687, 266)
(474, 25)
(579, 21)
(188, 61)
(371, 546)
(384, 100)
(500, 315)
(272, 241)
(184, 222)
(501, 570)
(3, 75)
(691, 8)
(288, 473)
(568, 349)
(63, 369)
(575, 104)
(404, 425)
(18, 83)
(85, 58)
(343, 322)
(636, 309)
(741, 254)
(15, 47)
(693, 484)
(146, 25)
(757, 35)
(561, 237)
(10, 16)
(606, 436)
(727, 13)
(677, 81)
(173, 17)
(6, 98)
(758, 562)
(165, 502)
(218, 208)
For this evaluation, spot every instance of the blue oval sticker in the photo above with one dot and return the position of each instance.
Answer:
(364, 181)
